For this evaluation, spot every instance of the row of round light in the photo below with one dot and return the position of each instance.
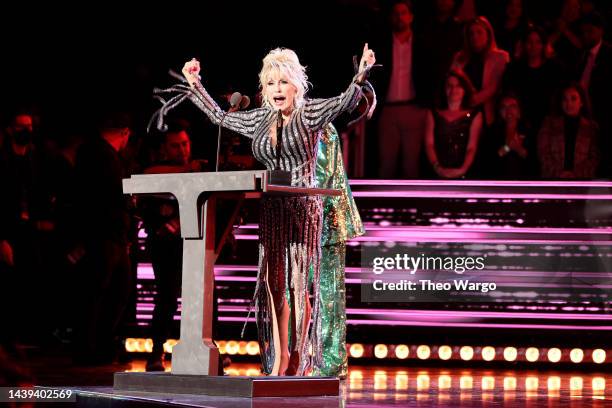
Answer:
(234, 347)
(467, 353)
(138, 345)
(423, 380)
(135, 345)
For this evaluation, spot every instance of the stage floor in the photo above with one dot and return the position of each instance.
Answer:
(366, 386)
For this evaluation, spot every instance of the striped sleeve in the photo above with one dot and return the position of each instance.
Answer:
(317, 113)
(243, 122)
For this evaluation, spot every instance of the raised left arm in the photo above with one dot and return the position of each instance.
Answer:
(317, 113)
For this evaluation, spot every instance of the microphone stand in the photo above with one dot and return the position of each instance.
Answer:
(219, 142)
(231, 109)
(279, 138)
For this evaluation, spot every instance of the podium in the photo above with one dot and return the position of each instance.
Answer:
(195, 357)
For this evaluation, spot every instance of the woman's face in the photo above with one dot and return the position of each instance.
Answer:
(279, 92)
(479, 38)
(571, 102)
(534, 46)
(509, 109)
(454, 90)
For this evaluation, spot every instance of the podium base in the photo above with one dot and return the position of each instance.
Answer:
(224, 386)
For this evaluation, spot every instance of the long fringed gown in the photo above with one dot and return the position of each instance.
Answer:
(289, 227)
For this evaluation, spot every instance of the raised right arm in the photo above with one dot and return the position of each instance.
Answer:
(245, 122)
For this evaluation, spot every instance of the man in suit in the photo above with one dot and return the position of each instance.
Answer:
(593, 73)
(102, 241)
(27, 222)
(402, 118)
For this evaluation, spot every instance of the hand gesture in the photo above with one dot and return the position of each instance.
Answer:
(367, 60)
(191, 71)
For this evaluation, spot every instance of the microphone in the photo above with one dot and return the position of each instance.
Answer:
(245, 102)
(237, 101)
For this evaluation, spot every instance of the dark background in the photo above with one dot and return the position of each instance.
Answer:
(74, 62)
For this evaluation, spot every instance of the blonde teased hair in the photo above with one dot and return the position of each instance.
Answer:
(286, 62)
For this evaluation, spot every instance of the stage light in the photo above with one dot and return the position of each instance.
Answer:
(355, 379)
(401, 381)
(599, 356)
(598, 384)
(381, 351)
(148, 345)
(232, 347)
(356, 350)
(401, 351)
(380, 380)
(466, 382)
(466, 353)
(445, 352)
(253, 372)
(488, 383)
(130, 345)
(532, 354)
(232, 372)
(422, 382)
(531, 384)
(554, 383)
(576, 384)
(554, 355)
(141, 345)
(488, 353)
(444, 382)
(510, 353)
(252, 348)
(242, 348)
(423, 352)
(169, 345)
(576, 355)
(509, 383)
(221, 345)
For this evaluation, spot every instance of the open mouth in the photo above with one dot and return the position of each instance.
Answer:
(279, 100)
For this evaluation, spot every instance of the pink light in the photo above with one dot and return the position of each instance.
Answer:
(427, 324)
(438, 314)
(475, 228)
(479, 234)
(358, 270)
(480, 183)
(412, 313)
(420, 238)
(466, 194)
(475, 325)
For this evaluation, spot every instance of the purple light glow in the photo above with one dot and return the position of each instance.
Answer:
(479, 234)
(462, 194)
(450, 314)
(480, 183)
(479, 228)
(475, 325)
(427, 324)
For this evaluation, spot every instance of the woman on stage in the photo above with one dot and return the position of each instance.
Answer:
(289, 227)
